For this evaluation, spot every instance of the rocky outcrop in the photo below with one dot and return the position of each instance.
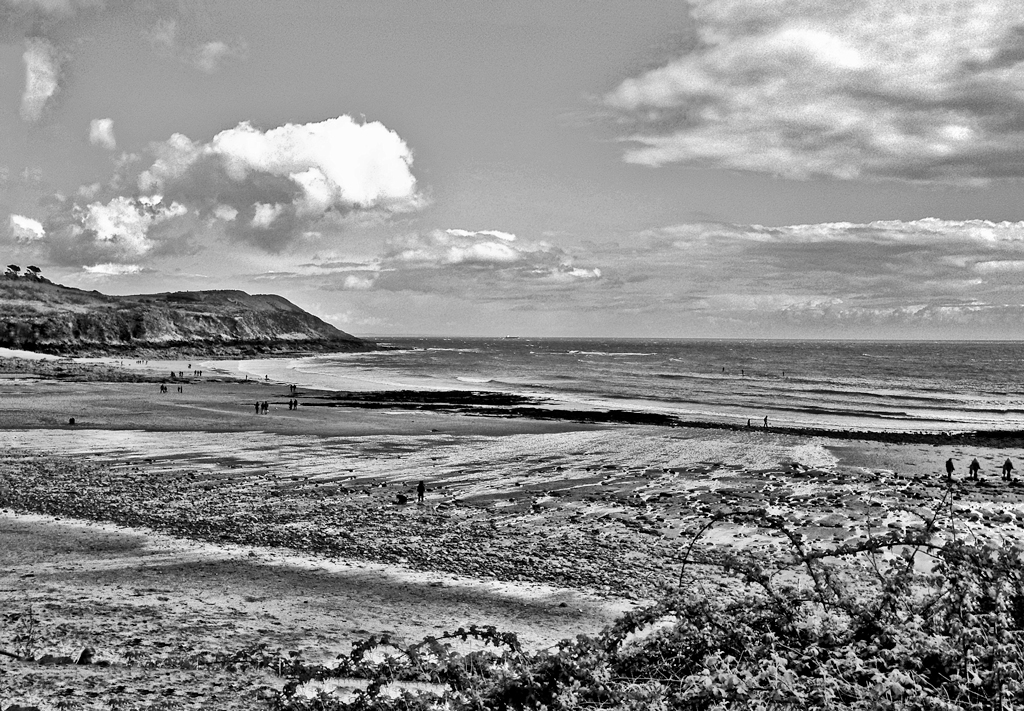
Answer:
(37, 315)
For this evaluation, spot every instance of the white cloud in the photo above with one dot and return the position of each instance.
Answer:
(911, 89)
(280, 183)
(25, 229)
(112, 269)
(1000, 266)
(463, 247)
(265, 214)
(350, 163)
(101, 133)
(42, 72)
(507, 236)
(225, 213)
(359, 282)
(491, 262)
(926, 231)
(125, 223)
(295, 184)
(210, 56)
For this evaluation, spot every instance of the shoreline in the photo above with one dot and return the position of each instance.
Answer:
(482, 403)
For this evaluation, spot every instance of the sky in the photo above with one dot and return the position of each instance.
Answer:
(597, 168)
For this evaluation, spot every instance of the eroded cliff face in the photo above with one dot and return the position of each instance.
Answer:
(37, 315)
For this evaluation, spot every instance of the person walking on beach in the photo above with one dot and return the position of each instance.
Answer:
(949, 468)
(973, 468)
(421, 489)
(766, 421)
(1007, 468)
(257, 408)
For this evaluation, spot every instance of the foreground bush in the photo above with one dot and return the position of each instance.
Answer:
(861, 627)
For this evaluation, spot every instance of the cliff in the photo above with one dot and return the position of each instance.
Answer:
(38, 315)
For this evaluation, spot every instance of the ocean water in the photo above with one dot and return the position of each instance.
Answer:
(905, 386)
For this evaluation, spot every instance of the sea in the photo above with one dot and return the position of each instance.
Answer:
(832, 385)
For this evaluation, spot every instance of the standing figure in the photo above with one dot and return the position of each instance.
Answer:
(421, 489)
(1007, 468)
(257, 408)
(973, 468)
(766, 421)
(949, 468)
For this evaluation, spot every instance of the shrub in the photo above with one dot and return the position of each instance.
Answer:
(858, 627)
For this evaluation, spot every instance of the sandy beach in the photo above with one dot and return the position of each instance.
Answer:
(164, 525)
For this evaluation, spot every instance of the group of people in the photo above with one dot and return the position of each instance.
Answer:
(293, 404)
(163, 388)
(974, 467)
(262, 408)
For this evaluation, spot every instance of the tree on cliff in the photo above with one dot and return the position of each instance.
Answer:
(13, 270)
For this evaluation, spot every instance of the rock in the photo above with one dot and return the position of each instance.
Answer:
(50, 659)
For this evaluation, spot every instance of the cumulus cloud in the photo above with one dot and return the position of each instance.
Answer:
(270, 187)
(42, 73)
(906, 89)
(120, 230)
(292, 185)
(101, 133)
(125, 223)
(25, 229)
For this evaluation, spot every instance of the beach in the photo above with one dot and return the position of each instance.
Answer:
(163, 525)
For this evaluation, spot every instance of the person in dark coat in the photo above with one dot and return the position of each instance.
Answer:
(421, 489)
(949, 468)
(973, 468)
(1007, 468)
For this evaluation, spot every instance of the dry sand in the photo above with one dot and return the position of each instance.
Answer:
(544, 528)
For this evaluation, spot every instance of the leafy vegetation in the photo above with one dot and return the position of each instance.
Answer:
(867, 626)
